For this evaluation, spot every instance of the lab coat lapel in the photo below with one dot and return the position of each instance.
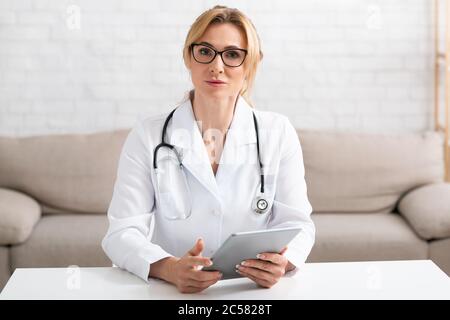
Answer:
(186, 137)
(240, 136)
(242, 129)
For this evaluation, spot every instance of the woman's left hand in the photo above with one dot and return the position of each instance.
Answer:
(266, 270)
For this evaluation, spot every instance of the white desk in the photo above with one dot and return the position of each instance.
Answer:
(417, 279)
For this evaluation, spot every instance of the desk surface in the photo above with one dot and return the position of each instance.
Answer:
(416, 279)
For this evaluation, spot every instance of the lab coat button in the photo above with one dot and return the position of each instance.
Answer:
(216, 212)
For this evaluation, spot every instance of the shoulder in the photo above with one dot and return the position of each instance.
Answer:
(154, 121)
(271, 118)
(277, 129)
(275, 122)
(148, 130)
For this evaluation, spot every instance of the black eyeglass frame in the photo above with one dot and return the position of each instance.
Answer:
(218, 53)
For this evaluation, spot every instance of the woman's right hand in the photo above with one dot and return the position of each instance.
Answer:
(186, 273)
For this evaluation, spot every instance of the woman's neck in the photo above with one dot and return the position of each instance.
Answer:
(213, 114)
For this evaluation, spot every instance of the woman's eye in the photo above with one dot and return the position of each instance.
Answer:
(233, 54)
(205, 51)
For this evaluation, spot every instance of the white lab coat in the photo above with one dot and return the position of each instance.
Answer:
(139, 234)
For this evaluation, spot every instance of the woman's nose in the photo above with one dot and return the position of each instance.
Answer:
(216, 66)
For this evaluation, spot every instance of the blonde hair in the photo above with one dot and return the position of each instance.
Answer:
(222, 14)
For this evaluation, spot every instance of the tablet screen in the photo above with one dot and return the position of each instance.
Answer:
(246, 245)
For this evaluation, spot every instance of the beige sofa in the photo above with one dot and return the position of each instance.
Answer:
(55, 191)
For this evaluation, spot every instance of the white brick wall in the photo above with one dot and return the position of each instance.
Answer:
(359, 65)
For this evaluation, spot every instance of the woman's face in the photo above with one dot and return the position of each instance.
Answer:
(219, 37)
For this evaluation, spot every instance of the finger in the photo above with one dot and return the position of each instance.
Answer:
(283, 250)
(205, 275)
(272, 257)
(201, 284)
(262, 265)
(190, 289)
(197, 248)
(257, 273)
(199, 261)
(261, 282)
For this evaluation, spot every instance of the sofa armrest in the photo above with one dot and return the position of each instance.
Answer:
(18, 215)
(427, 209)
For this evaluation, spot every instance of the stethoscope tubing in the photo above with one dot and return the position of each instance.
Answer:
(164, 144)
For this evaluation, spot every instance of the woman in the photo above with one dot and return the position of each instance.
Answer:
(193, 210)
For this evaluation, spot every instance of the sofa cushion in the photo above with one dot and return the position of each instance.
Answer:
(427, 209)
(365, 236)
(63, 240)
(347, 172)
(73, 172)
(18, 215)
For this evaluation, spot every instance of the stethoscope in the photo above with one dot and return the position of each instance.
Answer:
(260, 205)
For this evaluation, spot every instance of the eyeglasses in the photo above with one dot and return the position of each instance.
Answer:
(205, 54)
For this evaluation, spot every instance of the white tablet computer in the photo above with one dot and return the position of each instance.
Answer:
(241, 246)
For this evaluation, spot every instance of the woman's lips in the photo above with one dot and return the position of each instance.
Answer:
(216, 83)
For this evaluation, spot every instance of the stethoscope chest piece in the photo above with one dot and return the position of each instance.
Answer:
(260, 205)
(177, 209)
